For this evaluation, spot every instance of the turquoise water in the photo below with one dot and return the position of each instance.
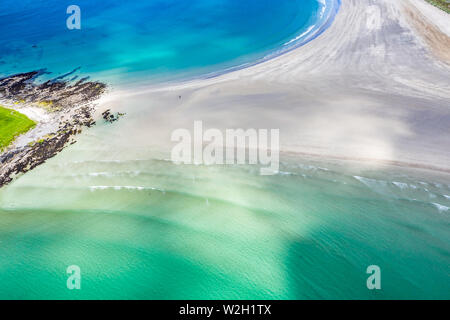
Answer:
(154, 40)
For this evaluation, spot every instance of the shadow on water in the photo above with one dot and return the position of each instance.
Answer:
(331, 262)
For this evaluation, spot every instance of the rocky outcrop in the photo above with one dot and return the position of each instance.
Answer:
(55, 95)
(70, 102)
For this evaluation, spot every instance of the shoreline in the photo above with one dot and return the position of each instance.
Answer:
(369, 90)
(331, 10)
(437, 20)
(280, 75)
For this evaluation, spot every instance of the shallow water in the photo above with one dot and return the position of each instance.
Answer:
(139, 226)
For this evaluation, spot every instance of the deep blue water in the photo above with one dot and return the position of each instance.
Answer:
(155, 40)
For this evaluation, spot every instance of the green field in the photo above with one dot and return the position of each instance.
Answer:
(12, 124)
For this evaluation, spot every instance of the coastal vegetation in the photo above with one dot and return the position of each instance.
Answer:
(12, 124)
(443, 4)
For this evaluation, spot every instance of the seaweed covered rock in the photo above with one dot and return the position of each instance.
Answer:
(110, 117)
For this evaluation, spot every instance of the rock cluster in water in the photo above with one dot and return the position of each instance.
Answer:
(110, 117)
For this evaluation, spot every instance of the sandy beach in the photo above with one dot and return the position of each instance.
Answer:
(373, 87)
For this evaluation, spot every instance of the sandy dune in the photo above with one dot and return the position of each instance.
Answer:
(374, 86)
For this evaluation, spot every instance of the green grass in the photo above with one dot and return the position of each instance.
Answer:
(12, 124)
(443, 4)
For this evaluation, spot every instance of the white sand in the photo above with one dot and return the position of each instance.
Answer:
(371, 87)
